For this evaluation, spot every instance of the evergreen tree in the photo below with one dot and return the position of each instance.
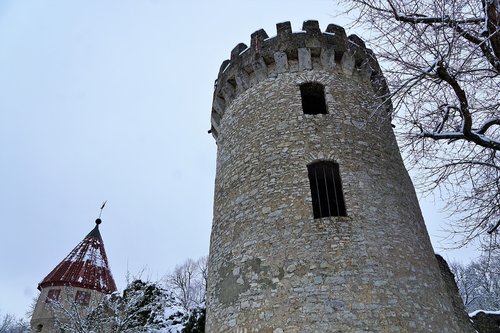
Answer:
(196, 321)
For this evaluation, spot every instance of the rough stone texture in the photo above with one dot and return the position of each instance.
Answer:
(273, 268)
(453, 292)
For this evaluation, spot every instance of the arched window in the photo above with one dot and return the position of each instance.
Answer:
(313, 98)
(326, 189)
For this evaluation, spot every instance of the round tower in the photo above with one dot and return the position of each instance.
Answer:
(316, 224)
(75, 286)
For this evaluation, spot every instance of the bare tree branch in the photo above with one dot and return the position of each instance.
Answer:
(188, 282)
(486, 125)
(416, 18)
(478, 283)
(441, 62)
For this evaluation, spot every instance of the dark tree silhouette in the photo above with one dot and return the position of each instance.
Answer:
(442, 61)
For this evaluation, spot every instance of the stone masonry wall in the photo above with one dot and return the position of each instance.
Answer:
(273, 268)
(453, 292)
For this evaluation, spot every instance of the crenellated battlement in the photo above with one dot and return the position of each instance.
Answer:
(308, 49)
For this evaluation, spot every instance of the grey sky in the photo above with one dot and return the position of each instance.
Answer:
(110, 100)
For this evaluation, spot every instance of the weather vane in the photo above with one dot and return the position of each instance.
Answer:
(98, 221)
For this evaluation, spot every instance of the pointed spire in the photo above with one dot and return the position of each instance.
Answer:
(86, 266)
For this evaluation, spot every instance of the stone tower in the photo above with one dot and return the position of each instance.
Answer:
(75, 284)
(316, 224)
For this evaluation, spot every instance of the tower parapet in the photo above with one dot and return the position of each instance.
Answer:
(309, 49)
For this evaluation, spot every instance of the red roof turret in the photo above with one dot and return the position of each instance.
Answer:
(86, 266)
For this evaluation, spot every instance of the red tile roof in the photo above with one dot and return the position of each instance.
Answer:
(86, 266)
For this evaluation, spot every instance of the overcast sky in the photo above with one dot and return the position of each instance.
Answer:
(110, 100)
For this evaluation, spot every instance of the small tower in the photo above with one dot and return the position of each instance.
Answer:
(81, 279)
(316, 225)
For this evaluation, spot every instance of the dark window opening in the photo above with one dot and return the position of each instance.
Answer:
(326, 189)
(82, 297)
(53, 295)
(313, 98)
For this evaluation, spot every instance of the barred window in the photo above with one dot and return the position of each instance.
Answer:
(326, 189)
(313, 98)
